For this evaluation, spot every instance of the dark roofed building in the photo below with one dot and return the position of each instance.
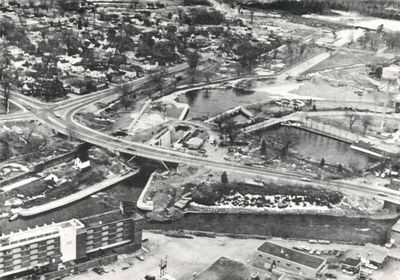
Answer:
(271, 255)
(225, 268)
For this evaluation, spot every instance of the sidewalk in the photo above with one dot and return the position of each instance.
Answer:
(26, 212)
(18, 184)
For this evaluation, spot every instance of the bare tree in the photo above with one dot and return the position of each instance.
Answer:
(6, 85)
(366, 123)
(125, 95)
(288, 138)
(5, 141)
(352, 118)
(193, 59)
(157, 78)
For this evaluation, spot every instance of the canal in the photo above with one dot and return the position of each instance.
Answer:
(315, 147)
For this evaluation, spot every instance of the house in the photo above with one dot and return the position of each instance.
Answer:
(351, 265)
(78, 90)
(82, 162)
(195, 143)
(374, 255)
(270, 255)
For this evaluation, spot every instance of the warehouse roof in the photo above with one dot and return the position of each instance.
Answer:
(291, 255)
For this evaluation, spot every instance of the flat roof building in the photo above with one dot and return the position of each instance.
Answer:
(49, 246)
(270, 255)
(225, 268)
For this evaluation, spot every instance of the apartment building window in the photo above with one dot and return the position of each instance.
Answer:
(16, 256)
(50, 253)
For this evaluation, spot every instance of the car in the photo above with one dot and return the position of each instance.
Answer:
(140, 258)
(131, 149)
(305, 179)
(313, 241)
(98, 270)
(13, 217)
(382, 194)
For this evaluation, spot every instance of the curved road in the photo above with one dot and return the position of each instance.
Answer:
(60, 117)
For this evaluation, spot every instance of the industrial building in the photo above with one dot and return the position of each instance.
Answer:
(270, 256)
(48, 248)
(225, 268)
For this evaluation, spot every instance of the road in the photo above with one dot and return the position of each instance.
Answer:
(60, 117)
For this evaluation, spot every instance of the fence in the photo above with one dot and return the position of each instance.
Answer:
(329, 131)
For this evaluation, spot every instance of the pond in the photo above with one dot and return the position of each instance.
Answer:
(317, 147)
(206, 103)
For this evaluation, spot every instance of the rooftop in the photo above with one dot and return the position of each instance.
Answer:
(225, 268)
(107, 217)
(36, 232)
(375, 253)
(291, 255)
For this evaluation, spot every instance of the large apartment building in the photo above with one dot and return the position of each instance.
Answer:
(51, 245)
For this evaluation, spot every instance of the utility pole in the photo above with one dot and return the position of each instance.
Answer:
(389, 74)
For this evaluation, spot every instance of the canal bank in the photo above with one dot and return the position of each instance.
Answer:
(358, 230)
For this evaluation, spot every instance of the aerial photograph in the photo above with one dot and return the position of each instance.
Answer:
(200, 139)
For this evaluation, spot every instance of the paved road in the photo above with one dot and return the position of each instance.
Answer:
(60, 117)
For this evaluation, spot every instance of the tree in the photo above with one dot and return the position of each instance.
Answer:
(352, 118)
(224, 178)
(366, 122)
(6, 82)
(157, 78)
(230, 129)
(247, 55)
(5, 141)
(288, 138)
(193, 60)
(125, 97)
(263, 148)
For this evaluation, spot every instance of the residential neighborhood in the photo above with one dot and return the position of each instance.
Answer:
(199, 139)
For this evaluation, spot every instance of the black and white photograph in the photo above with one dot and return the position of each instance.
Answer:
(200, 139)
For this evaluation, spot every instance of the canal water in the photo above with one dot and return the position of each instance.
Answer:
(314, 146)
(206, 103)
(108, 200)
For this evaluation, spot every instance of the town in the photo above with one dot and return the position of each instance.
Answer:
(199, 139)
